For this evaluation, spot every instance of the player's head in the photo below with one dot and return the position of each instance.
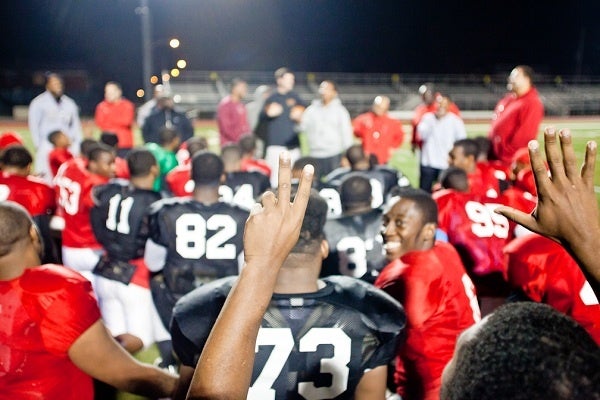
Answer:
(454, 178)
(285, 79)
(484, 145)
(140, 162)
(169, 138)
(248, 144)
(18, 236)
(327, 91)
(520, 79)
(207, 169)
(409, 223)
(357, 158)
(110, 139)
(239, 88)
(299, 165)
(312, 235)
(196, 144)
(86, 146)
(16, 158)
(231, 155)
(102, 161)
(112, 91)
(427, 93)
(355, 193)
(464, 155)
(523, 351)
(59, 139)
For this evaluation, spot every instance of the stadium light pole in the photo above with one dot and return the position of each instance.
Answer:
(144, 12)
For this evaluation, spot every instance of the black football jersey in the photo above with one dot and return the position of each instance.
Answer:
(310, 346)
(243, 188)
(119, 218)
(203, 242)
(355, 246)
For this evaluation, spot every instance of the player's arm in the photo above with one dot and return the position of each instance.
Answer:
(222, 373)
(97, 354)
(372, 385)
(567, 209)
(185, 377)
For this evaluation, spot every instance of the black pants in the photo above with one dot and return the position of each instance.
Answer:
(427, 177)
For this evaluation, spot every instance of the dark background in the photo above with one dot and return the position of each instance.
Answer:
(103, 37)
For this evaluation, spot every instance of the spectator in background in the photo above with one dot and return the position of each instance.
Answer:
(282, 111)
(248, 145)
(254, 109)
(429, 280)
(517, 116)
(52, 111)
(380, 134)
(116, 114)
(165, 116)
(38, 198)
(438, 131)
(60, 153)
(148, 107)
(52, 337)
(429, 104)
(328, 129)
(232, 117)
(164, 152)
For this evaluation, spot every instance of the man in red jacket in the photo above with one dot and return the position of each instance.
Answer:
(116, 114)
(517, 116)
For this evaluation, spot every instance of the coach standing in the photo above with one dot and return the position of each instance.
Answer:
(517, 116)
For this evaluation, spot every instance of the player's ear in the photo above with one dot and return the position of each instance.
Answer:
(154, 170)
(36, 240)
(324, 249)
(429, 231)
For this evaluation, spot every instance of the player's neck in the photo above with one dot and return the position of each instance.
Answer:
(207, 195)
(298, 278)
(143, 182)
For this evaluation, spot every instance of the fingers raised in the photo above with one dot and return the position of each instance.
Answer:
(568, 154)
(587, 169)
(284, 178)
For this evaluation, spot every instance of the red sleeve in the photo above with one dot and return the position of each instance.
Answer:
(398, 136)
(100, 116)
(125, 115)
(526, 268)
(358, 125)
(421, 296)
(73, 309)
(227, 120)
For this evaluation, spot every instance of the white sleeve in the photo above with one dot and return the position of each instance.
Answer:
(155, 256)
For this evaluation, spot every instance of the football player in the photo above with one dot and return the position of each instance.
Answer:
(38, 198)
(73, 185)
(318, 339)
(355, 244)
(118, 219)
(193, 240)
(430, 281)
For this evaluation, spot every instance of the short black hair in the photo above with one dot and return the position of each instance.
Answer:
(455, 178)
(196, 144)
(231, 153)
(247, 143)
(484, 145)
(280, 72)
(98, 150)
(86, 146)
(140, 161)
(207, 169)
(355, 154)
(16, 156)
(469, 146)
(312, 232)
(53, 135)
(527, 71)
(15, 225)
(527, 351)
(109, 138)
(423, 202)
(166, 136)
(355, 190)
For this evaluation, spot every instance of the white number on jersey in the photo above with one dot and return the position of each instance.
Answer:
(122, 224)
(333, 201)
(376, 193)
(587, 295)
(4, 192)
(243, 196)
(191, 241)
(486, 223)
(353, 250)
(68, 194)
(282, 341)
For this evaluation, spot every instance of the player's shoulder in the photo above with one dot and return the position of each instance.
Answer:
(379, 307)
(51, 278)
(202, 305)
(222, 207)
(169, 204)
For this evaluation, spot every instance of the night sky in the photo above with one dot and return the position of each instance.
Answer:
(104, 36)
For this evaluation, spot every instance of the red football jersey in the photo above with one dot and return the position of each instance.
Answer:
(57, 157)
(474, 229)
(485, 180)
(440, 302)
(547, 274)
(35, 195)
(44, 311)
(179, 180)
(73, 185)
